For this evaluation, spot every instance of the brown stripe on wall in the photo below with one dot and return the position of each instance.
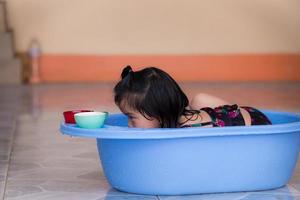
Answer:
(240, 67)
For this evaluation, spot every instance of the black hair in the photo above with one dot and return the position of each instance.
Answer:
(153, 93)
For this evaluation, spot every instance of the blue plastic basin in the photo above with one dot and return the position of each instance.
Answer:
(196, 160)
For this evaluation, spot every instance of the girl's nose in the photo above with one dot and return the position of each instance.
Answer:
(129, 124)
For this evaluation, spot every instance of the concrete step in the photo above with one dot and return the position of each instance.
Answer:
(10, 71)
(6, 49)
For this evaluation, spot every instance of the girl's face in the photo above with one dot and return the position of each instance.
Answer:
(137, 120)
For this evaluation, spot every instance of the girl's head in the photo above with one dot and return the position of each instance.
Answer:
(150, 98)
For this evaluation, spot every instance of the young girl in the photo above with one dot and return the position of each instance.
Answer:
(152, 99)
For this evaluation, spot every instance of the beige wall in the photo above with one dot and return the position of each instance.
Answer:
(157, 26)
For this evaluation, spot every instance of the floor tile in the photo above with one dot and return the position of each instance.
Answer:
(2, 188)
(128, 198)
(270, 197)
(218, 196)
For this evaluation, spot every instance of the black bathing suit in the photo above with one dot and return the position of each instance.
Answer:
(230, 115)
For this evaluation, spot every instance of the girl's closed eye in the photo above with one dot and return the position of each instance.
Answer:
(130, 116)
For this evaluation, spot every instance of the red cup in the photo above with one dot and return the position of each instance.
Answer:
(69, 115)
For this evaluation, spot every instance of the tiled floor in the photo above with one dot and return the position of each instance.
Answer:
(37, 162)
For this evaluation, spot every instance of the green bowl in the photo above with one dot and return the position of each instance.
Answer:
(90, 120)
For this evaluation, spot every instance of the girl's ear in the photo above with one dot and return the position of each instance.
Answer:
(127, 70)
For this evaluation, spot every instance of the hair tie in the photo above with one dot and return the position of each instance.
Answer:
(127, 70)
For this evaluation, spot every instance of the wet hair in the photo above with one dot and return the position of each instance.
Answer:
(154, 94)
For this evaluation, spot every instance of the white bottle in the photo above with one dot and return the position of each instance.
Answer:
(34, 52)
